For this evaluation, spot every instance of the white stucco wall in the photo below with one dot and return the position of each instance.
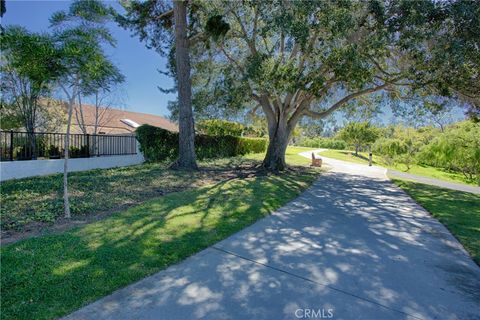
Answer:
(29, 168)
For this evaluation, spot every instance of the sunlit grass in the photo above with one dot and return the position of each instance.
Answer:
(52, 275)
(425, 171)
(458, 211)
(39, 199)
(291, 156)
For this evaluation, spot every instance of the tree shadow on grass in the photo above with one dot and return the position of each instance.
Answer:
(52, 275)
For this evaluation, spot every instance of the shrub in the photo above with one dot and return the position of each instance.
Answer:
(328, 143)
(158, 144)
(54, 152)
(75, 152)
(218, 127)
(457, 149)
(390, 149)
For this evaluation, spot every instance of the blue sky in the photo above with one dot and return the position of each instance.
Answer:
(138, 64)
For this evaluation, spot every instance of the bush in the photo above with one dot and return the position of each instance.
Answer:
(456, 149)
(158, 144)
(218, 127)
(328, 143)
(54, 152)
(390, 149)
(75, 152)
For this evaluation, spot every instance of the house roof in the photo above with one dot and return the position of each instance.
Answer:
(117, 121)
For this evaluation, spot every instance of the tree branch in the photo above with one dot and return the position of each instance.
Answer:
(344, 100)
(250, 44)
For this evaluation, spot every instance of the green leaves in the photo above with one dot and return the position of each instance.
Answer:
(30, 55)
(79, 35)
(216, 27)
(458, 149)
(359, 133)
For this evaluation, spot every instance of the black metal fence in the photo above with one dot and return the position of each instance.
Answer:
(16, 145)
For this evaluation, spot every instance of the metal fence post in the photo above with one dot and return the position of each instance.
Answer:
(88, 145)
(11, 145)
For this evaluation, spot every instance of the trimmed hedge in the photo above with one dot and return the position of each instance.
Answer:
(328, 143)
(158, 144)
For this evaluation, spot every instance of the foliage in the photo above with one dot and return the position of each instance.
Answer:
(389, 148)
(29, 67)
(11, 119)
(299, 59)
(218, 127)
(458, 211)
(329, 143)
(50, 276)
(457, 149)
(359, 134)
(402, 144)
(80, 34)
(158, 144)
(75, 152)
(416, 169)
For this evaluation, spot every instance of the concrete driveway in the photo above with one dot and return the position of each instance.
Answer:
(353, 246)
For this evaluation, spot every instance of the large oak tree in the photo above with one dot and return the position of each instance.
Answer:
(295, 59)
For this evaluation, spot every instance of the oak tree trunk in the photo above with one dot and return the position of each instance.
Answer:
(186, 151)
(279, 136)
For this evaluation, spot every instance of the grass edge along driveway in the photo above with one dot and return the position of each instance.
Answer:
(53, 275)
(424, 171)
(459, 211)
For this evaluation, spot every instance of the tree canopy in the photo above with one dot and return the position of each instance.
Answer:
(310, 58)
(29, 67)
(359, 134)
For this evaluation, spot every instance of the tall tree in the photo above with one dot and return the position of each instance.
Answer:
(299, 59)
(186, 150)
(80, 34)
(168, 31)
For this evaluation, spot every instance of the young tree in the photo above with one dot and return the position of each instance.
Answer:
(299, 59)
(359, 134)
(80, 33)
(29, 67)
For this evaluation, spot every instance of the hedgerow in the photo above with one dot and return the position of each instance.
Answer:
(158, 144)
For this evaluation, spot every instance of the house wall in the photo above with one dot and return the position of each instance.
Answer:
(30, 168)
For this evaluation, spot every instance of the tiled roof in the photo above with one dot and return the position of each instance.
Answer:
(111, 120)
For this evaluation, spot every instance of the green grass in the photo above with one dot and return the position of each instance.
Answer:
(458, 211)
(425, 171)
(291, 156)
(349, 156)
(39, 199)
(52, 275)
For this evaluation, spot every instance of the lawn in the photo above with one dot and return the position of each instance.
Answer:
(458, 211)
(425, 171)
(52, 275)
(291, 156)
(34, 203)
